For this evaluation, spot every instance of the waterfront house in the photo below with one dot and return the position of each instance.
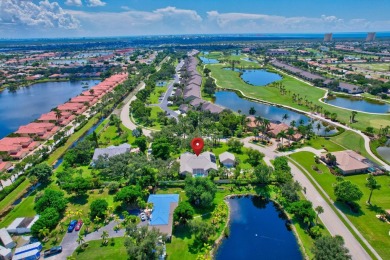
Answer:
(41, 130)
(51, 117)
(17, 147)
(197, 166)
(76, 108)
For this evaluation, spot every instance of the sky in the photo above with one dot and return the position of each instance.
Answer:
(100, 18)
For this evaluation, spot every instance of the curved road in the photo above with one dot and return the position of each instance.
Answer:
(330, 219)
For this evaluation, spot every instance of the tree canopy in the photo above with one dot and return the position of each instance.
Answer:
(42, 171)
(200, 191)
(346, 191)
(183, 213)
(330, 248)
(98, 208)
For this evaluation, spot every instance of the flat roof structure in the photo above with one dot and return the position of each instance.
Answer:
(162, 215)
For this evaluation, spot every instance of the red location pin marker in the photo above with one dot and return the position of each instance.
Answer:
(197, 145)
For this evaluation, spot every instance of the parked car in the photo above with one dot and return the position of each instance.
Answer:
(142, 216)
(72, 225)
(79, 225)
(52, 251)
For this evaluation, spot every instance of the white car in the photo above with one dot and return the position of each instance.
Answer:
(142, 216)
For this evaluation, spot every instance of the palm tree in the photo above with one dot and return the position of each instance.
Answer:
(281, 135)
(353, 114)
(252, 110)
(293, 123)
(80, 240)
(318, 127)
(79, 213)
(43, 232)
(87, 223)
(104, 236)
(285, 117)
(319, 211)
(290, 132)
(372, 185)
(258, 120)
(97, 219)
(58, 114)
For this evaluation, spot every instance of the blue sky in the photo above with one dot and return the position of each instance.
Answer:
(78, 18)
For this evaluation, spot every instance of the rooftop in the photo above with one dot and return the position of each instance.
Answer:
(111, 151)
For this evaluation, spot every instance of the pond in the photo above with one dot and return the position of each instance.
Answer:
(384, 151)
(27, 104)
(257, 231)
(258, 77)
(208, 61)
(360, 105)
(231, 100)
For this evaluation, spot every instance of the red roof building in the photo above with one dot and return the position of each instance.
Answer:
(17, 147)
(41, 130)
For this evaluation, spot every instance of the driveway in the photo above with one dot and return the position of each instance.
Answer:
(69, 242)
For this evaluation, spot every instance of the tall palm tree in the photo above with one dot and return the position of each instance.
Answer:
(281, 135)
(372, 185)
(318, 126)
(293, 123)
(285, 117)
(80, 240)
(258, 120)
(319, 211)
(43, 232)
(104, 236)
(252, 110)
(58, 114)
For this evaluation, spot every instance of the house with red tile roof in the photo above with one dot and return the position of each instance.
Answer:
(77, 108)
(91, 100)
(4, 166)
(51, 117)
(17, 147)
(41, 130)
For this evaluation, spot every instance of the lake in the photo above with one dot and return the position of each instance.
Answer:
(208, 61)
(231, 100)
(27, 104)
(257, 77)
(359, 105)
(257, 231)
(384, 151)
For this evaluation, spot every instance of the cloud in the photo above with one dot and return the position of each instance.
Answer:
(94, 3)
(74, 2)
(246, 22)
(124, 7)
(21, 13)
(132, 22)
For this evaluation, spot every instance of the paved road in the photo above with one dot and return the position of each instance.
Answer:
(331, 221)
(164, 103)
(125, 114)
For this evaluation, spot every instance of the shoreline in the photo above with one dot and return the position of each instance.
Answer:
(221, 237)
(32, 83)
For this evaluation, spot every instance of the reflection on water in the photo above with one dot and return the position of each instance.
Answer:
(359, 105)
(231, 100)
(257, 231)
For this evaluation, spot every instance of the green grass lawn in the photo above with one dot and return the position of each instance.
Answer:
(16, 193)
(157, 92)
(374, 230)
(383, 67)
(109, 136)
(24, 209)
(231, 80)
(324, 143)
(242, 157)
(96, 250)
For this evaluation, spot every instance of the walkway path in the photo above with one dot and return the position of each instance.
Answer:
(330, 219)
(125, 114)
